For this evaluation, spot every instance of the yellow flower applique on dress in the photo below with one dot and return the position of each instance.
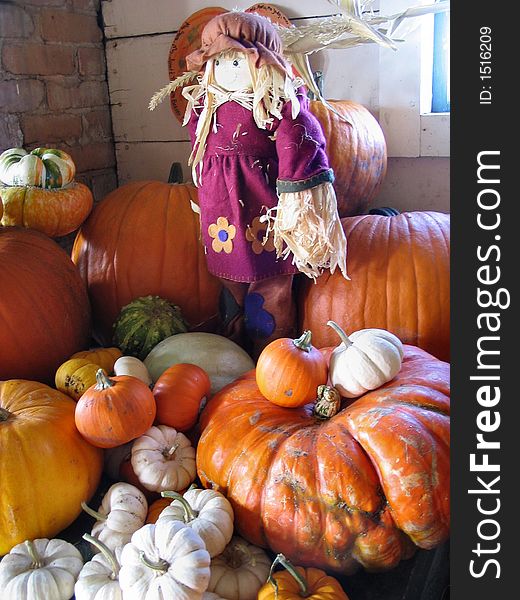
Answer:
(223, 234)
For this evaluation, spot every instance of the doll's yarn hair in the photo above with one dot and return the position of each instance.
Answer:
(271, 88)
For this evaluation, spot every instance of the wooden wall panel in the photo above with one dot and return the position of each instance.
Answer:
(124, 18)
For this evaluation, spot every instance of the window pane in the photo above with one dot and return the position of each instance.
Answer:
(441, 63)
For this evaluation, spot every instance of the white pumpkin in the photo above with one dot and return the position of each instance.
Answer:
(240, 571)
(364, 361)
(99, 577)
(131, 365)
(167, 561)
(40, 569)
(222, 359)
(164, 459)
(208, 512)
(123, 511)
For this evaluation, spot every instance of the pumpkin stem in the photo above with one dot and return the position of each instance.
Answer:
(160, 565)
(37, 562)
(287, 564)
(343, 336)
(328, 402)
(304, 341)
(107, 553)
(189, 513)
(237, 554)
(93, 513)
(169, 452)
(4, 414)
(103, 381)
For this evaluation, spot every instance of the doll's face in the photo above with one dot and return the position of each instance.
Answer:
(231, 71)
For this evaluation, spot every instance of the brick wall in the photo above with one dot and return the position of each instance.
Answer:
(53, 86)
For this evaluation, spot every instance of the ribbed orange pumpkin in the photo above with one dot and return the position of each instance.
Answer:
(46, 467)
(288, 372)
(55, 212)
(44, 308)
(115, 410)
(400, 281)
(143, 239)
(358, 488)
(356, 151)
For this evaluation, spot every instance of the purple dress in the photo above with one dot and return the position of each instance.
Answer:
(243, 166)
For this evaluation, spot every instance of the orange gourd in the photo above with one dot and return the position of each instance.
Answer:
(44, 307)
(156, 508)
(115, 411)
(55, 212)
(400, 281)
(356, 151)
(288, 372)
(47, 468)
(156, 216)
(178, 394)
(294, 583)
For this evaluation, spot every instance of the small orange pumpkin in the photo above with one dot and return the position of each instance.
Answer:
(289, 371)
(115, 410)
(156, 508)
(294, 583)
(178, 394)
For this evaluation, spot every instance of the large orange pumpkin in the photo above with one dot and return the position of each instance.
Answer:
(400, 281)
(143, 239)
(356, 151)
(46, 467)
(44, 308)
(362, 487)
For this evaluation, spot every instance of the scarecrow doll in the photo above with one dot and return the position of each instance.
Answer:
(267, 204)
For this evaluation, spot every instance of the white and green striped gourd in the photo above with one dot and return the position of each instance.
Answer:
(42, 167)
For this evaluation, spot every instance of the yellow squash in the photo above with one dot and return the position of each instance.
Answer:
(75, 376)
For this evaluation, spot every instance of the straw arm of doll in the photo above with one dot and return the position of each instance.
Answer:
(306, 222)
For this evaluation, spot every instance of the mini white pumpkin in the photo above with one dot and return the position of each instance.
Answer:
(364, 361)
(166, 561)
(40, 569)
(208, 512)
(99, 577)
(240, 571)
(123, 510)
(131, 365)
(164, 459)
